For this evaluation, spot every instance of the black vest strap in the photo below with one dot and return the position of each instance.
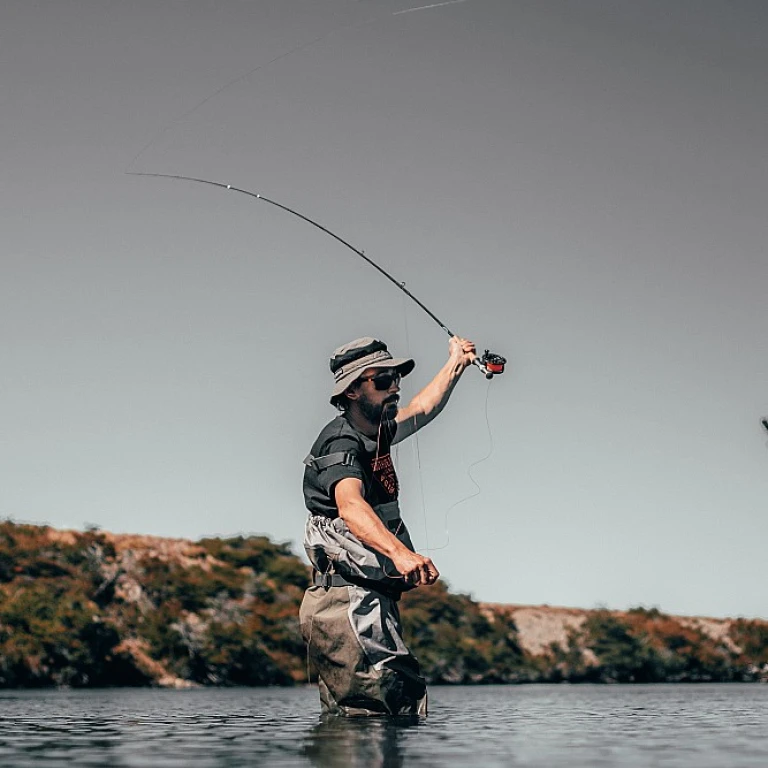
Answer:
(345, 458)
(392, 591)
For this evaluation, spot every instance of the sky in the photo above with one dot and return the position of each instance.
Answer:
(579, 186)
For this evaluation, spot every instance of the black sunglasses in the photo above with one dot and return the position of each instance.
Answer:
(382, 381)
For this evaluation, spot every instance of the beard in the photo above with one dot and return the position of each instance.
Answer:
(378, 412)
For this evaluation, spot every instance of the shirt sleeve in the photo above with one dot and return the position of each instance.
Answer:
(328, 477)
(389, 431)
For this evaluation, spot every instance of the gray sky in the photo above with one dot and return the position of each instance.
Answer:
(580, 186)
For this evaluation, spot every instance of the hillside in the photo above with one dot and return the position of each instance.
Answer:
(93, 608)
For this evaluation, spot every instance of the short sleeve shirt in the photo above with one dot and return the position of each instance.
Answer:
(371, 463)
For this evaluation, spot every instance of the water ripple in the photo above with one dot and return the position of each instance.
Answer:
(665, 726)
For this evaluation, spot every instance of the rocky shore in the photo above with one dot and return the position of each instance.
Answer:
(93, 608)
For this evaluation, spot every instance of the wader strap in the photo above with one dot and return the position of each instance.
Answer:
(345, 458)
(328, 580)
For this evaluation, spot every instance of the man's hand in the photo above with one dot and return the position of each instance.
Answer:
(416, 568)
(366, 525)
(461, 351)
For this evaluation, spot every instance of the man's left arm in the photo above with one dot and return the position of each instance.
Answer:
(428, 403)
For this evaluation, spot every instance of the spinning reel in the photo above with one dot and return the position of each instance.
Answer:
(490, 364)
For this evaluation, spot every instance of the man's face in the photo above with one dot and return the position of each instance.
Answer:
(377, 392)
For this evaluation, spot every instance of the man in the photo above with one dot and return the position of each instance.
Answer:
(357, 542)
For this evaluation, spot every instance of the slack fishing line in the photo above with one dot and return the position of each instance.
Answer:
(290, 52)
(417, 457)
(356, 25)
(477, 490)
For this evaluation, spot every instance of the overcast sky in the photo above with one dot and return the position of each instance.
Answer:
(579, 185)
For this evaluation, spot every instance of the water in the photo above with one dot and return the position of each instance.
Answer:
(670, 726)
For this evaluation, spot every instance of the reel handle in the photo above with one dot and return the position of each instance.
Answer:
(481, 367)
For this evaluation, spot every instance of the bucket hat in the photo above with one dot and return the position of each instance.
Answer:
(351, 359)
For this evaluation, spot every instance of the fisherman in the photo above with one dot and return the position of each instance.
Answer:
(359, 546)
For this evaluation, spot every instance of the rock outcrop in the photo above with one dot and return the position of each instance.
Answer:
(95, 608)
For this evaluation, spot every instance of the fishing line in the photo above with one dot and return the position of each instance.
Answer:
(427, 7)
(417, 454)
(296, 49)
(478, 489)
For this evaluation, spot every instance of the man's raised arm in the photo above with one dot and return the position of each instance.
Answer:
(432, 399)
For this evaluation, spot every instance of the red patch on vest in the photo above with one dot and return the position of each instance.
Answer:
(384, 472)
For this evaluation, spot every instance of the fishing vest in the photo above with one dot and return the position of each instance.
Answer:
(334, 550)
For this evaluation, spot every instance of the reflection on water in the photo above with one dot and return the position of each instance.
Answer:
(538, 726)
(358, 742)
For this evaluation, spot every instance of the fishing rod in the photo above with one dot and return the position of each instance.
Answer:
(490, 364)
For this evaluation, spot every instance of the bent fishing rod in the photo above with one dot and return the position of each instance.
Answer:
(490, 364)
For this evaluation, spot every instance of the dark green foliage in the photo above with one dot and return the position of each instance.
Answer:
(63, 620)
(260, 555)
(622, 656)
(646, 646)
(566, 663)
(192, 586)
(752, 638)
(50, 635)
(232, 654)
(456, 643)
(84, 609)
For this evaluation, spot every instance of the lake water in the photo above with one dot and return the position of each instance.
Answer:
(670, 726)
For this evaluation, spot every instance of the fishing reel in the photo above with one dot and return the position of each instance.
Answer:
(490, 364)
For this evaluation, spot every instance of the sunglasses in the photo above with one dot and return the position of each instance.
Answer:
(383, 381)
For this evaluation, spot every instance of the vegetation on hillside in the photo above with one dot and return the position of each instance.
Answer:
(93, 609)
(456, 643)
(647, 646)
(75, 611)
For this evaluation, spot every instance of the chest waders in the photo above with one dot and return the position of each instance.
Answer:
(351, 622)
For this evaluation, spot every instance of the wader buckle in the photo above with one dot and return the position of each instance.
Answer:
(328, 580)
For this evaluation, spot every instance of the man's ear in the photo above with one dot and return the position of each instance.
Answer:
(352, 392)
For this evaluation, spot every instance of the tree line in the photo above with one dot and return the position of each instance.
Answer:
(81, 609)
